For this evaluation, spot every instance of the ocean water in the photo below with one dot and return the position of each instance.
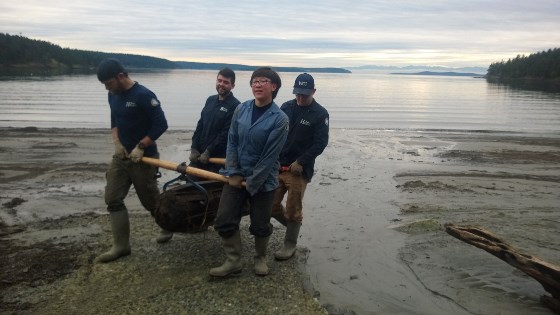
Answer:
(357, 100)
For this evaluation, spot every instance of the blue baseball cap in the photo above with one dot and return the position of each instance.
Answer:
(304, 84)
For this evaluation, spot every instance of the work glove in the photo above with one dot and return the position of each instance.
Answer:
(136, 154)
(120, 150)
(235, 181)
(296, 168)
(203, 158)
(194, 155)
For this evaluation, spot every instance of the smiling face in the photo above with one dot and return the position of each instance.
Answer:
(262, 88)
(224, 86)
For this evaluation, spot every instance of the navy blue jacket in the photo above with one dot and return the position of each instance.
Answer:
(137, 113)
(308, 136)
(212, 128)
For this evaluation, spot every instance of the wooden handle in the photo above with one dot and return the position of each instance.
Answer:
(221, 161)
(189, 170)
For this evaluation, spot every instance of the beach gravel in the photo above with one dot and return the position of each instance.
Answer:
(169, 278)
(372, 240)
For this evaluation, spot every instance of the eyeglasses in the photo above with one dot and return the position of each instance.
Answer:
(260, 82)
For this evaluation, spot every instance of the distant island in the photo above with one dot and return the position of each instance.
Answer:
(447, 74)
(417, 68)
(22, 56)
(238, 67)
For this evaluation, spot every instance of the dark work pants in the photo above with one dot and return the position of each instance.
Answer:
(121, 175)
(230, 211)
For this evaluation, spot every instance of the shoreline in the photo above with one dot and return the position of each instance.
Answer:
(372, 239)
(406, 130)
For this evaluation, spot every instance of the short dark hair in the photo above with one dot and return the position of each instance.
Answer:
(228, 73)
(267, 72)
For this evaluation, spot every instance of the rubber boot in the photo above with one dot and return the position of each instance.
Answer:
(164, 236)
(261, 268)
(290, 241)
(232, 248)
(120, 227)
(280, 218)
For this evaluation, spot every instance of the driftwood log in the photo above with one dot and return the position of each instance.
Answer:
(547, 274)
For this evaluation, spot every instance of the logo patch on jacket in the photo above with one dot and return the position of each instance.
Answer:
(305, 122)
(223, 109)
(327, 121)
(154, 102)
(130, 104)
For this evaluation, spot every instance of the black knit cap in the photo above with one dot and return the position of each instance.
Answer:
(109, 68)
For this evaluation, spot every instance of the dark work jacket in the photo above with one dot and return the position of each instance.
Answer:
(137, 113)
(307, 138)
(212, 128)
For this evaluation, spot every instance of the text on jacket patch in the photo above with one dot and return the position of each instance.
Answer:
(305, 122)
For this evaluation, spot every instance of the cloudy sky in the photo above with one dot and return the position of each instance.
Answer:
(319, 33)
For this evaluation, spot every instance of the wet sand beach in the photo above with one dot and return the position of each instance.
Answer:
(372, 240)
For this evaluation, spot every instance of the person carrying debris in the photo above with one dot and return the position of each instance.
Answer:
(256, 136)
(137, 121)
(308, 137)
(210, 137)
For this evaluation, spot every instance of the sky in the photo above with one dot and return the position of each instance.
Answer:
(321, 33)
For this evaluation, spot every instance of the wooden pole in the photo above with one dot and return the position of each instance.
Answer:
(221, 161)
(189, 170)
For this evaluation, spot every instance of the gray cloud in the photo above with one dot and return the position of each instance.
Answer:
(327, 33)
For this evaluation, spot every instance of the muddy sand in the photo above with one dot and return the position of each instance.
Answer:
(372, 241)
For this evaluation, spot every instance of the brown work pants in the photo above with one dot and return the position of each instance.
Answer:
(295, 186)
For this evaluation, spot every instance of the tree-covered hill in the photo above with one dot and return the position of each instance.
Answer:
(537, 71)
(20, 55)
(238, 67)
(542, 65)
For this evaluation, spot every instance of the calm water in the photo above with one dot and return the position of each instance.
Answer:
(358, 100)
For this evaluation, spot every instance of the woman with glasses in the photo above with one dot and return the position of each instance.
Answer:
(256, 136)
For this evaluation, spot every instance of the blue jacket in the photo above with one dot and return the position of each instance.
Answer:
(137, 113)
(308, 137)
(253, 149)
(213, 126)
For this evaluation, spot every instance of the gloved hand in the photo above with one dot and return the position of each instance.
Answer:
(194, 155)
(203, 158)
(136, 154)
(235, 181)
(120, 150)
(296, 168)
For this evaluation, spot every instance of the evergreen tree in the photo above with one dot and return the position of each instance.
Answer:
(544, 65)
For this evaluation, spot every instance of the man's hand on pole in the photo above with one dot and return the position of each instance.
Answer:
(137, 154)
(193, 157)
(296, 168)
